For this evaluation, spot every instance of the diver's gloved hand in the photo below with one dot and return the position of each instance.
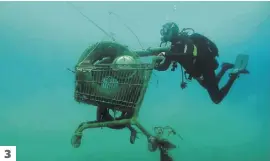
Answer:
(162, 54)
(157, 60)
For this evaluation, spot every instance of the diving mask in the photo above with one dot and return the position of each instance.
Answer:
(168, 30)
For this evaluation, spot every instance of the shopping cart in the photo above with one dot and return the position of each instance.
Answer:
(111, 82)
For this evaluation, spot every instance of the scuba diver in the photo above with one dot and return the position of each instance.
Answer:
(197, 55)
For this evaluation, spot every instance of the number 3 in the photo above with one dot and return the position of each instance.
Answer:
(8, 155)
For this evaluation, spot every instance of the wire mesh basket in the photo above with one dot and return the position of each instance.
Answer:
(120, 86)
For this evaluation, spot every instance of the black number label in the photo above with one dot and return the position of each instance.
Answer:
(8, 155)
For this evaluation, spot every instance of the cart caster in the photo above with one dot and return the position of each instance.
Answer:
(76, 141)
(164, 156)
(152, 144)
(133, 136)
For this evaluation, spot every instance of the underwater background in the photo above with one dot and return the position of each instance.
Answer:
(39, 40)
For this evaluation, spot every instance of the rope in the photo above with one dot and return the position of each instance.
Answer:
(91, 21)
(160, 131)
(117, 16)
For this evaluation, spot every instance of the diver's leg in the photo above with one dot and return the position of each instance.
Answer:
(216, 94)
(224, 68)
(212, 65)
(210, 83)
(201, 82)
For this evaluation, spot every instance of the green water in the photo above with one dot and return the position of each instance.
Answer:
(39, 40)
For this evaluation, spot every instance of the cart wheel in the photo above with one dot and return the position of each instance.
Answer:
(133, 135)
(76, 141)
(152, 144)
(164, 156)
(132, 138)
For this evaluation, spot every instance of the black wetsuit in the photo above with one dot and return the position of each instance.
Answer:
(201, 67)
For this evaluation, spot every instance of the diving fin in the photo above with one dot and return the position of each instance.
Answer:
(240, 64)
(241, 61)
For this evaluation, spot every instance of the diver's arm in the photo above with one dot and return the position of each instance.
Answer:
(161, 66)
(182, 45)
